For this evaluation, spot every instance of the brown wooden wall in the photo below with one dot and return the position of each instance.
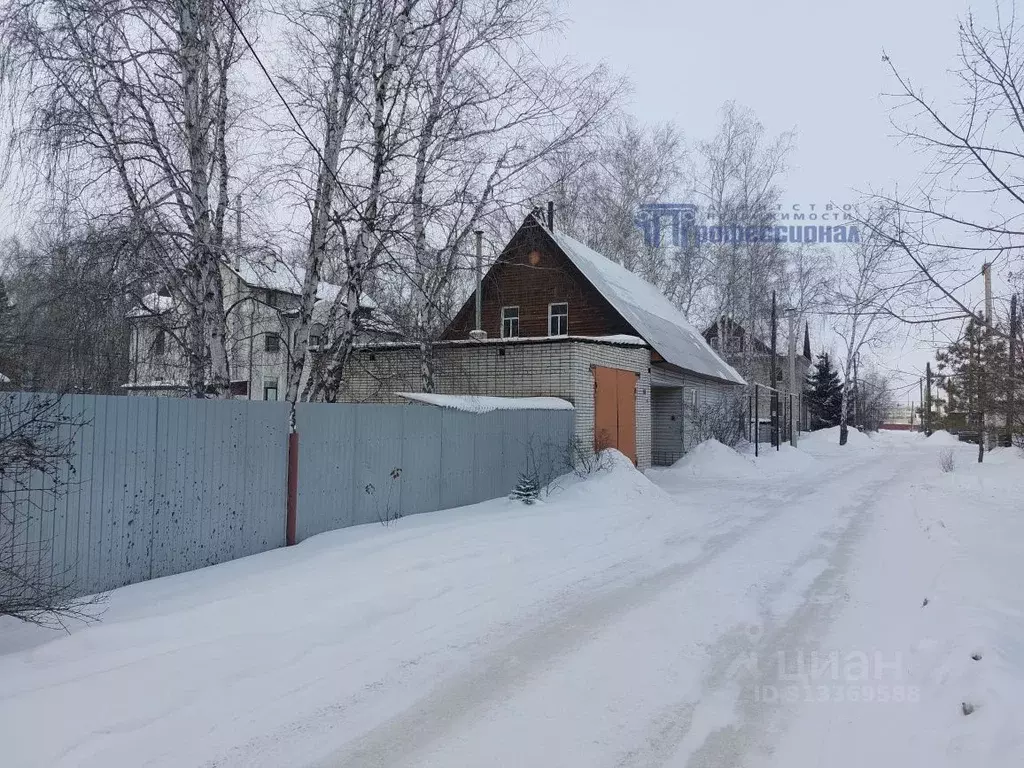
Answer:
(532, 273)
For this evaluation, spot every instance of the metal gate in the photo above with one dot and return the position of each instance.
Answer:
(615, 410)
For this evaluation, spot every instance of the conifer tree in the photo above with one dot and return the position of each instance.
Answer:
(824, 393)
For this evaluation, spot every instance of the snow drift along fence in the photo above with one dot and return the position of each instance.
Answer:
(162, 485)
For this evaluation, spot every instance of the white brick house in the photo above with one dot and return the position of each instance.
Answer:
(261, 299)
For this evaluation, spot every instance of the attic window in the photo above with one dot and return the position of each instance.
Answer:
(558, 319)
(271, 298)
(509, 322)
(316, 335)
(160, 343)
(271, 342)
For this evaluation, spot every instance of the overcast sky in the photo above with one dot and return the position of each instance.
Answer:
(812, 67)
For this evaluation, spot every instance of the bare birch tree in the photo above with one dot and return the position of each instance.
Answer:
(428, 117)
(869, 284)
(738, 183)
(132, 103)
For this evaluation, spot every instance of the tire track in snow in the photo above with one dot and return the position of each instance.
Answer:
(568, 627)
(731, 744)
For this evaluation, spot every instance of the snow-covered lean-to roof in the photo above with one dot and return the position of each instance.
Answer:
(483, 404)
(651, 314)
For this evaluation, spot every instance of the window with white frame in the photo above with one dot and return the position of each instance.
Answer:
(558, 319)
(509, 322)
(270, 390)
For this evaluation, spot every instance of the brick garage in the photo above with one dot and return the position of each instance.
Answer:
(522, 367)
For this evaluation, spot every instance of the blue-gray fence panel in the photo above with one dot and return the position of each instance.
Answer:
(157, 486)
(153, 486)
(370, 463)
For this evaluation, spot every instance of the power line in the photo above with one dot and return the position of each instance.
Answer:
(323, 162)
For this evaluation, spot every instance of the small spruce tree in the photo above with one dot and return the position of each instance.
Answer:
(527, 489)
(824, 393)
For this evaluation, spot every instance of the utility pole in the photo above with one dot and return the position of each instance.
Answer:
(928, 398)
(1011, 374)
(791, 311)
(921, 399)
(774, 379)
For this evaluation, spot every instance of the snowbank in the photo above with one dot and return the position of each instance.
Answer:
(826, 441)
(614, 476)
(713, 459)
(785, 460)
(942, 437)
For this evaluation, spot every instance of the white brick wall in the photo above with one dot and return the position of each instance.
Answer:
(509, 369)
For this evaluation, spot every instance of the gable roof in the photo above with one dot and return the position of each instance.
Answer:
(643, 306)
(275, 275)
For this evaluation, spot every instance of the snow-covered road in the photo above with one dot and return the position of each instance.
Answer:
(722, 612)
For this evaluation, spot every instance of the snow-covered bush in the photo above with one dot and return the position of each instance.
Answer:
(946, 461)
(582, 461)
(723, 420)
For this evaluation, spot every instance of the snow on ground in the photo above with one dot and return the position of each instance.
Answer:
(939, 614)
(623, 621)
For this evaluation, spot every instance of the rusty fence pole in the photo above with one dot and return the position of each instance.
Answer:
(293, 488)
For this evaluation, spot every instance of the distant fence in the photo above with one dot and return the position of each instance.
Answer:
(163, 485)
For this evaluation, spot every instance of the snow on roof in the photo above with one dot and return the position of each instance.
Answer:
(483, 404)
(155, 384)
(620, 339)
(4, 379)
(152, 304)
(647, 309)
(274, 275)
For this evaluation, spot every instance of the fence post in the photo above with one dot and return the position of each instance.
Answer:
(793, 416)
(750, 405)
(293, 488)
(757, 421)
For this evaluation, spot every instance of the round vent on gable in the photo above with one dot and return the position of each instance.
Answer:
(534, 258)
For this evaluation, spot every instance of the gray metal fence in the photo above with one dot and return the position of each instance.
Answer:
(369, 463)
(158, 486)
(163, 485)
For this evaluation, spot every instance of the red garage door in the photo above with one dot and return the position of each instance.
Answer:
(615, 410)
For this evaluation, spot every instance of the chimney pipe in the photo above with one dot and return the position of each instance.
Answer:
(551, 215)
(479, 278)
